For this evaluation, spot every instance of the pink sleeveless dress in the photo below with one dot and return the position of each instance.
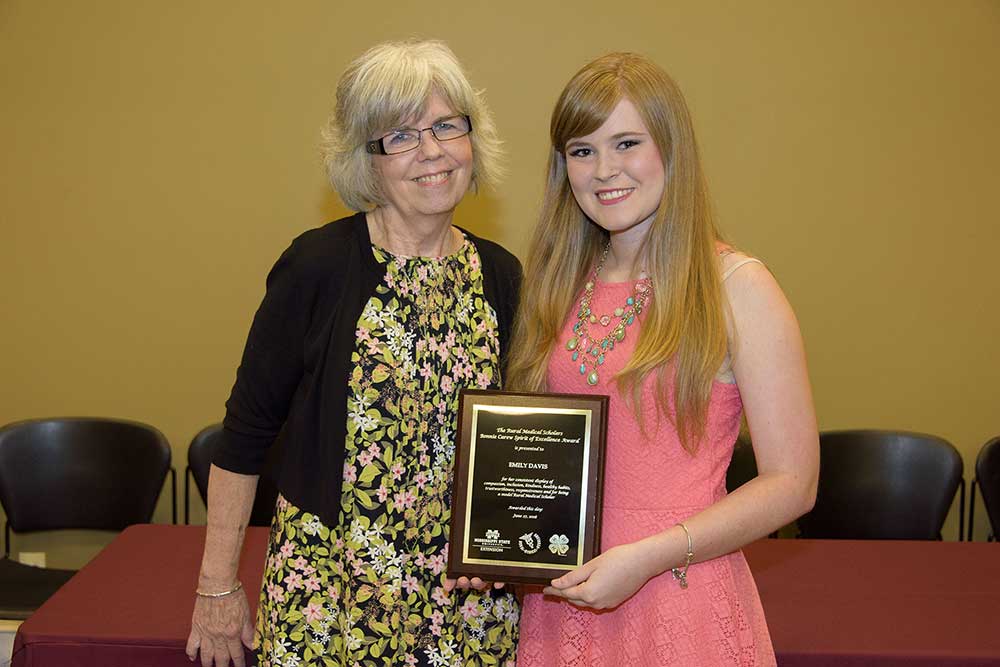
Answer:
(651, 483)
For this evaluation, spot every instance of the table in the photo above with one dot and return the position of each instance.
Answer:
(131, 605)
(828, 602)
(853, 603)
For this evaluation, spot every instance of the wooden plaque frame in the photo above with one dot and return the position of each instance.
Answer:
(480, 487)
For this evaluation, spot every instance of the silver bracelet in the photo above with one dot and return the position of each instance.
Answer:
(238, 586)
(682, 575)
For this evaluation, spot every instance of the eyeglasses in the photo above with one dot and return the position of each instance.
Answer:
(406, 138)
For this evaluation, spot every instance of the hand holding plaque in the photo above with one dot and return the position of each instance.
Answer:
(526, 500)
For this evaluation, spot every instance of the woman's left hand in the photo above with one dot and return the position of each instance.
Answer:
(605, 581)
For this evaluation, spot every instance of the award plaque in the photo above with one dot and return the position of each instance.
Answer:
(529, 471)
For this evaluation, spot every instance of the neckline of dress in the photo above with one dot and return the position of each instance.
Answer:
(436, 259)
(616, 283)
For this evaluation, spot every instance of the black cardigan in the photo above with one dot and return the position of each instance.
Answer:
(291, 386)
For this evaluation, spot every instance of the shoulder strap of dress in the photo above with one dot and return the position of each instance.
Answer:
(732, 269)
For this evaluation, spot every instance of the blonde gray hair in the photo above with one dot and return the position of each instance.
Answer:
(388, 84)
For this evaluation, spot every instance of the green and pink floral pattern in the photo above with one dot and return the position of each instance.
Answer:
(368, 591)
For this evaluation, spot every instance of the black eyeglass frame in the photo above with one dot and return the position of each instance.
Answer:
(376, 147)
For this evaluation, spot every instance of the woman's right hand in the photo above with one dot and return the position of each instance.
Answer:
(464, 583)
(220, 628)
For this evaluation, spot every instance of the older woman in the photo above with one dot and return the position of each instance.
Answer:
(369, 327)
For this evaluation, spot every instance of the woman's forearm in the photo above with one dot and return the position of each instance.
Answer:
(230, 500)
(769, 365)
(756, 509)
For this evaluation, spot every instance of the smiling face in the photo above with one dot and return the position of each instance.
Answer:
(431, 179)
(616, 173)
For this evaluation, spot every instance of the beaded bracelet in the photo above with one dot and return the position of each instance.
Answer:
(682, 575)
(238, 586)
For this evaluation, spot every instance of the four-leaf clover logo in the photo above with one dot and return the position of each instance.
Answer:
(559, 545)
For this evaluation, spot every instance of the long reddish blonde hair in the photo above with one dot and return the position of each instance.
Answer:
(684, 327)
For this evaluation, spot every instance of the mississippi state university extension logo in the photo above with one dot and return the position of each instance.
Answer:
(530, 543)
(492, 542)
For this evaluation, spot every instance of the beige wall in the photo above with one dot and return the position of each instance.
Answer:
(156, 157)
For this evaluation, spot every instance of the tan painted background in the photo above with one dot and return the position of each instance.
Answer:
(155, 158)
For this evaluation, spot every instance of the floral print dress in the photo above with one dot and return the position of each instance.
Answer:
(368, 591)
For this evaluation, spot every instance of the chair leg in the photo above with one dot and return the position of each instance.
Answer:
(173, 495)
(187, 495)
(961, 509)
(972, 508)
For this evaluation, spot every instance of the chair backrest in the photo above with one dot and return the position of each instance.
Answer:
(883, 485)
(199, 462)
(80, 473)
(742, 467)
(988, 479)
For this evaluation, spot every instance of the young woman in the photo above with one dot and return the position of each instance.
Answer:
(630, 291)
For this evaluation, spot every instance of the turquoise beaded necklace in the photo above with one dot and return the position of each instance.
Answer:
(588, 351)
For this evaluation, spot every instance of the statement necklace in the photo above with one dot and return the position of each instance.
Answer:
(588, 351)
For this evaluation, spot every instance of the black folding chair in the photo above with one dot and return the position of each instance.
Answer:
(988, 480)
(884, 485)
(73, 473)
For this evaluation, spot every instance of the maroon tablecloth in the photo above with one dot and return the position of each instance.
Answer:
(132, 604)
(843, 603)
(848, 603)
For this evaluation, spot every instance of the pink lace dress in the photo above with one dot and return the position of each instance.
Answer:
(651, 483)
